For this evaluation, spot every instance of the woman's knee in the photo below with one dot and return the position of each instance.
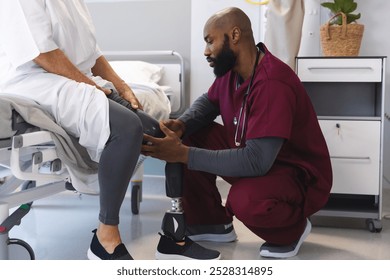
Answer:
(132, 129)
(124, 124)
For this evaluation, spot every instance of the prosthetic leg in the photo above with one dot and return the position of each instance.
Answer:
(173, 224)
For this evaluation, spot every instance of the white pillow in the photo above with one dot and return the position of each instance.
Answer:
(138, 71)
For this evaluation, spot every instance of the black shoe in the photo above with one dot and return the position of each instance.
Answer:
(168, 249)
(214, 233)
(97, 252)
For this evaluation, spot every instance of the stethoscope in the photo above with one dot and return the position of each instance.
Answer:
(242, 114)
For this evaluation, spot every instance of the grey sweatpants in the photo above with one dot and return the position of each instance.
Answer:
(118, 161)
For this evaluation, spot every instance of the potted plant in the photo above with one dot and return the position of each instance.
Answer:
(341, 35)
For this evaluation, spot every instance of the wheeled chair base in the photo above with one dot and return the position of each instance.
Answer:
(7, 223)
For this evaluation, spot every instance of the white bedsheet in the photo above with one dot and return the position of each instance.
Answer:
(153, 98)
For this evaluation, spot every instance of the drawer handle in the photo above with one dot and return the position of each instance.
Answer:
(355, 158)
(341, 68)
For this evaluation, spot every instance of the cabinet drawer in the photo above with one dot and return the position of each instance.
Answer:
(340, 70)
(354, 147)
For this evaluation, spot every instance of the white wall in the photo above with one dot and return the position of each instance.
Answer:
(201, 74)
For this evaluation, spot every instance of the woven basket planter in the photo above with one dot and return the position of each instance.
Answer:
(341, 40)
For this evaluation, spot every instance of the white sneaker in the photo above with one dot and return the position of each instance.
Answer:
(269, 250)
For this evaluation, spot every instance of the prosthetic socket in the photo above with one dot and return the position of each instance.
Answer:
(173, 224)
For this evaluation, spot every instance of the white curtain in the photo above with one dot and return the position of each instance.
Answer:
(284, 29)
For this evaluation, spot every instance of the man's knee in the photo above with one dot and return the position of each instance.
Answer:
(250, 204)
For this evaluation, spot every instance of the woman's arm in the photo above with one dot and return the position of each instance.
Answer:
(56, 62)
(103, 69)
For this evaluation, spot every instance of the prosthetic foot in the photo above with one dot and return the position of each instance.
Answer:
(174, 244)
(173, 224)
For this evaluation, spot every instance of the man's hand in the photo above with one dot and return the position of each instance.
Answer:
(169, 148)
(176, 126)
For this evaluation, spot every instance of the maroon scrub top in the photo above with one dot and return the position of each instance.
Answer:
(278, 106)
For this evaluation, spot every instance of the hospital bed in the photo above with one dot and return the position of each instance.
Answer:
(38, 159)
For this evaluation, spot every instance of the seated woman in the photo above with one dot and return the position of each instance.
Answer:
(55, 61)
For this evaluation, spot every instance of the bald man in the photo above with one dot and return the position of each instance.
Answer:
(270, 147)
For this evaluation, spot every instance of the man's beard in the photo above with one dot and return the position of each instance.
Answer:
(225, 60)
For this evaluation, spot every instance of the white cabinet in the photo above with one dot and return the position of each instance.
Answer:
(355, 155)
(348, 96)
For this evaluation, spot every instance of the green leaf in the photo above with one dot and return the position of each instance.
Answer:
(339, 3)
(349, 8)
(352, 17)
(330, 6)
(337, 8)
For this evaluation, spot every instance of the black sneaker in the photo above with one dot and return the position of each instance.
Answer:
(269, 250)
(97, 252)
(168, 249)
(214, 233)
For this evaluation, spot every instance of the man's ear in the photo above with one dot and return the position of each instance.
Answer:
(235, 34)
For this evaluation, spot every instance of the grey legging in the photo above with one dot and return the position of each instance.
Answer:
(118, 161)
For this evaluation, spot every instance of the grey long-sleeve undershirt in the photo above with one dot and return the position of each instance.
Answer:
(255, 159)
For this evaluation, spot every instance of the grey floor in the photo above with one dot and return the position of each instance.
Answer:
(59, 228)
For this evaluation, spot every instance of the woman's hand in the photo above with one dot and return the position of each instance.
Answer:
(129, 95)
(103, 69)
